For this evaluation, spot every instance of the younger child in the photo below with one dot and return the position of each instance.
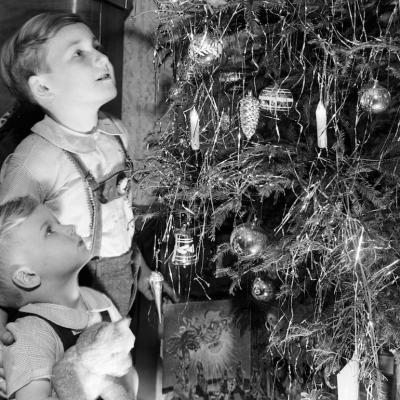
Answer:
(39, 264)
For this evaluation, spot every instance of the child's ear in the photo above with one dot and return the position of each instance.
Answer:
(25, 278)
(39, 88)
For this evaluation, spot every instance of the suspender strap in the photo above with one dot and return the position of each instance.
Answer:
(105, 316)
(66, 335)
(128, 159)
(68, 338)
(93, 202)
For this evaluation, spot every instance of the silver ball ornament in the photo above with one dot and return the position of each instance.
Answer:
(204, 49)
(248, 239)
(262, 291)
(374, 98)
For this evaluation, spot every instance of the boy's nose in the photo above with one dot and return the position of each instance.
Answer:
(70, 230)
(100, 58)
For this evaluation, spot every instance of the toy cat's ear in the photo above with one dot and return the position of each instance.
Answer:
(124, 322)
(25, 278)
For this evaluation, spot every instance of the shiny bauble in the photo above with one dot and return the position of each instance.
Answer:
(248, 239)
(374, 98)
(262, 291)
(271, 321)
(175, 92)
(204, 49)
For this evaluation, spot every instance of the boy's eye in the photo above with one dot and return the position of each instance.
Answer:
(49, 231)
(97, 46)
(78, 53)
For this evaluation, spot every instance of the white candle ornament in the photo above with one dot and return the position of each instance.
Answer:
(194, 129)
(320, 115)
(348, 380)
(156, 279)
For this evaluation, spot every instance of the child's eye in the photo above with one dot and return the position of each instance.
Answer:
(78, 53)
(97, 46)
(49, 231)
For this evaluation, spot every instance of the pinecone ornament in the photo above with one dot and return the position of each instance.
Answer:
(249, 112)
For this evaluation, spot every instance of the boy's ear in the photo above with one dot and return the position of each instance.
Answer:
(25, 278)
(39, 88)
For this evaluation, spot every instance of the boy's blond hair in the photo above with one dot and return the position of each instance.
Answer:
(12, 214)
(24, 54)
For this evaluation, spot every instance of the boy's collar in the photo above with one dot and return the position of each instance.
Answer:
(69, 317)
(75, 142)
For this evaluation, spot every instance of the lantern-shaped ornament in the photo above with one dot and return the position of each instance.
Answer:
(249, 112)
(230, 76)
(374, 98)
(232, 81)
(204, 49)
(248, 239)
(262, 291)
(184, 252)
(276, 100)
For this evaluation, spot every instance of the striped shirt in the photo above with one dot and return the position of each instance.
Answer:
(37, 346)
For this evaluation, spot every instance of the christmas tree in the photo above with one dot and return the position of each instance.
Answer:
(278, 157)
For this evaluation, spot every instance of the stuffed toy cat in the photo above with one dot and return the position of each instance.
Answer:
(92, 367)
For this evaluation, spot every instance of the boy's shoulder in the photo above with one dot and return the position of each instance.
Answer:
(34, 147)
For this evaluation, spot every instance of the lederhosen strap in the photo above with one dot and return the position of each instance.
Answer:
(67, 336)
(93, 202)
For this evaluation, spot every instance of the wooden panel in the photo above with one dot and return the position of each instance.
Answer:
(144, 88)
(112, 38)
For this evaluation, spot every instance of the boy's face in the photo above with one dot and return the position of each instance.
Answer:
(79, 73)
(50, 249)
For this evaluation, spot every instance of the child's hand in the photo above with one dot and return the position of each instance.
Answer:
(145, 288)
(170, 294)
(6, 337)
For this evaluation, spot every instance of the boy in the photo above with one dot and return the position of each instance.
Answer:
(76, 160)
(39, 264)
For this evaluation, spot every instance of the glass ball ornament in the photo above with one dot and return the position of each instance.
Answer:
(374, 98)
(248, 239)
(262, 291)
(204, 49)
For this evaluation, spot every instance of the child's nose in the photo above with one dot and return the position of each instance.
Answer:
(70, 230)
(100, 58)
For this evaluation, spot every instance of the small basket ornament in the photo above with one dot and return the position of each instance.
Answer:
(276, 100)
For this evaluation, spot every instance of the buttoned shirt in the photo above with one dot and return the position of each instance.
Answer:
(40, 167)
(37, 346)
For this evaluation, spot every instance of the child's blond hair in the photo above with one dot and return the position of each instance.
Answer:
(12, 214)
(24, 54)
